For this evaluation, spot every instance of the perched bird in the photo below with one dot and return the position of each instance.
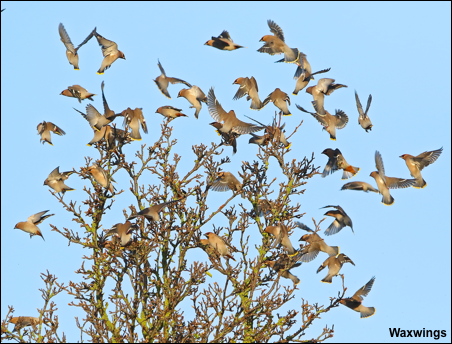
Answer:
(195, 96)
(55, 180)
(228, 139)
(385, 183)
(303, 74)
(281, 234)
(223, 42)
(71, 52)
(219, 245)
(315, 245)
(113, 136)
(334, 266)
(272, 132)
(123, 232)
(231, 124)
(355, 302)
(109, 50)
(363, 118)
(21, 322)
(170, 112)
(342, 164)
(133, 119)
(78, 92)
(331, 165)
(325, 86)
(282, 266)
(248, 86)
(226, 181)
(276, 44)
(30, 226)
(359, 186)
(102, 177)
(341, 219)
(328, 121)
(263, 207)
(44, 128)
(162, 81)
(416, 163)
(152, 213)
(279, 99)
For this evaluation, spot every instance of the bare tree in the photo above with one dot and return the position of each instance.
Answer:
(168, 283)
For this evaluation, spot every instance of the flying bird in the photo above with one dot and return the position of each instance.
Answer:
(328, 121)
(30, 226)
(342, 164)
(195, 96)
(77, 91)
(231, 124)
(133, 119)
(303, 74)
(219, 245)
(152, 213)
(248, 87)
(415, 164)
(281, 234)
(355, 302)
(341, 219)
(275, 44)
(315, 245)
(95, 119)
(226, 181)
(110, 52)
(331, 165)
(71, 52)
(44, 128)
(363, 118)
(280, 99)
(223, 42)
(170, 112)
(325, 86)
(282, 266)
(334, 265)
(162, 81)
(55, 180)
(359, 186)
(385, 183)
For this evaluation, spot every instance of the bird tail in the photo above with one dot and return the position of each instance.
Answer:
(420, 184)
(387, 199)
(335, 250)
(367, 312)
(350, 171)
(327, 279)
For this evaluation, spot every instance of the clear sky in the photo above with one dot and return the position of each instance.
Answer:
(397, 51)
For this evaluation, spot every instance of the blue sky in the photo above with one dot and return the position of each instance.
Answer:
(397, 51)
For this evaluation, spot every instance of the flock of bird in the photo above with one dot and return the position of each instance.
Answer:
(229, 127)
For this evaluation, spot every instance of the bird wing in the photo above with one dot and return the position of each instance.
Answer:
(65, 39)
(215, 109)
(379, 164)
(359, 295)
(275, 29)
(399, 183)
(427, 158)
(341, 119)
